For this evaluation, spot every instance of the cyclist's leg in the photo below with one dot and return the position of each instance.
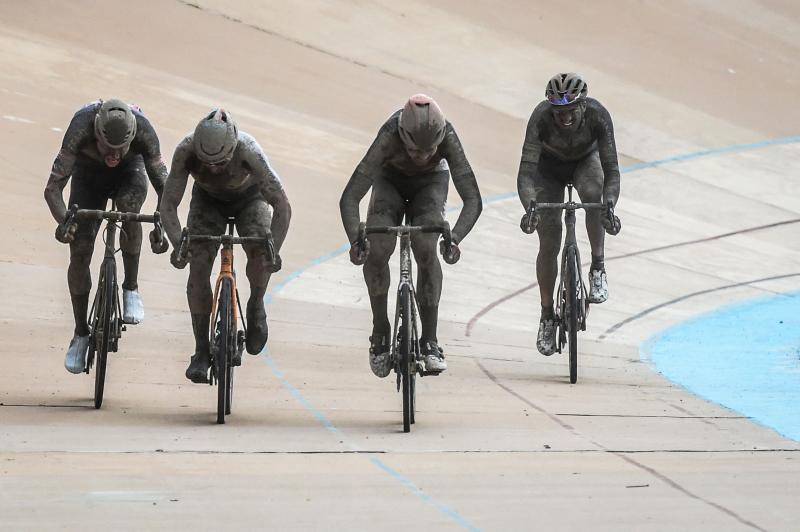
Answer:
(205, 217)
(549, 188)
(386, 207)
(254, 219)
(427, 207)
(129, 197)
(588, 180)
(87, 195)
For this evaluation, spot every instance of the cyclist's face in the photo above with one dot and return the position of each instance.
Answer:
(111, 156)
(216, 169)
(420, 157)
(568, 116)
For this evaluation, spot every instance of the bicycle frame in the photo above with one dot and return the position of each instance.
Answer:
(570, 242)
(406, 279)
(226, 272)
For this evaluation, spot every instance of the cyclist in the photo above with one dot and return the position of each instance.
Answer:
(570, 138)
(232, 178)
(107, 150)
(408, 167)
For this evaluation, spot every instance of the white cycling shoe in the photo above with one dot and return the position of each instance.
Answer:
(75, 361)
(132, 307)
(433, 355)
(598, 286)
(546, 339)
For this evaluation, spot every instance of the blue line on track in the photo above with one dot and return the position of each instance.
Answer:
(488, 200)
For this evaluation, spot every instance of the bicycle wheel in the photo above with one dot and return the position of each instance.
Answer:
(221, 345)
(407, 358)
(572, 312)
(103, 327)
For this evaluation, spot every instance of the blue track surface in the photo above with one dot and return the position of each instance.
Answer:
(745, 356)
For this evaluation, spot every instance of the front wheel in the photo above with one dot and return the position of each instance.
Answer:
(104, 327)
(408, 361)
(573, 318)
(220, 343)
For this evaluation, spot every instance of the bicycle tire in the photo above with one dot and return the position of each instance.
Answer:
(222, 345)
(104, 325)
(407, 359)
(572, 313)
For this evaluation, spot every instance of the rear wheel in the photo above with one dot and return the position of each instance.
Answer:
(222, 350)
(572, 313)
(104, 326)
(407, 359)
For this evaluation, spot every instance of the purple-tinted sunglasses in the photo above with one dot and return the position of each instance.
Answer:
(562, 99)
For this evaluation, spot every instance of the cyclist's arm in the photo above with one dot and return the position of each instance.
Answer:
(607, 147)
(78, 133)
(151, 151)
(361, 181)
(174, 189)
(272, 189)
(465, 183)
(531, 150)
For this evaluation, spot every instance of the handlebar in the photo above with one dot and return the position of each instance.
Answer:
(569, 205)
(74, 213)
(227, 240)
(399, 230)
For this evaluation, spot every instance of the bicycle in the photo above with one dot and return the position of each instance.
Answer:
(105, 323)
(226, 339)
(572, 304)
(405, 350)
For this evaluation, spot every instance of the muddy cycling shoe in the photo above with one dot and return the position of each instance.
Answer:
(257, 331)
(380, 359)
(75, 361)
(433, 355)
(197, 372)
(546, 339)
(598, 286)
(132, 307)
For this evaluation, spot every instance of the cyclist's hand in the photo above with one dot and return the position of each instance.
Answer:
(275, 265)
(611, 222)
(158, 243)
(451, 255)
(528, 223)
(65, 232)
(359, 252)
(178, 260)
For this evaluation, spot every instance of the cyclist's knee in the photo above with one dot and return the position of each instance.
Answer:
(424, 249)
(380, 249)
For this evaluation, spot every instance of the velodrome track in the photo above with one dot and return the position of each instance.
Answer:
(701, 97)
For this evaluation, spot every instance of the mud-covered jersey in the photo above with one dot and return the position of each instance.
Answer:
(247, 173)
(543, 136)
(388, 153)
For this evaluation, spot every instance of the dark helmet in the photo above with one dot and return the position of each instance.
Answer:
(563, 89)
(422, 124)
(215, 138)
(115, 124)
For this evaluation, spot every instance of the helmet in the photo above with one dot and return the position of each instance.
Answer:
(421, 123)
(563, 89)
(115, 124)
(215, 137)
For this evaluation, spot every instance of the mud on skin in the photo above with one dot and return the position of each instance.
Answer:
(584, 154)
(400, 187)
(93, 184)
(245, 189)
